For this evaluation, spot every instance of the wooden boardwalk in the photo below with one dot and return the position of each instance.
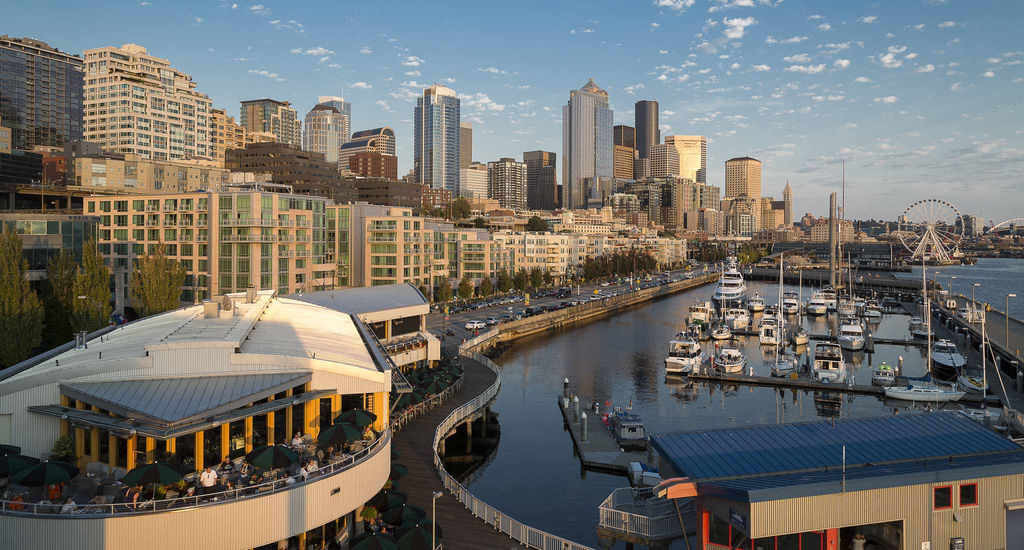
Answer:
(599, 452)
(462, 530)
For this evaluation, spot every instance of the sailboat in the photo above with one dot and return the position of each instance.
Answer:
(800, 336)
(925, 390)
(784, 364)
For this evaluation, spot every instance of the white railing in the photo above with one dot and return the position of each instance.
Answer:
(652, 519)
(516, 530)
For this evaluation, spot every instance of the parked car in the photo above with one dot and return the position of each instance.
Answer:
(474, 325)
(491, 321)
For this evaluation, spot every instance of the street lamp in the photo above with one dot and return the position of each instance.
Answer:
(433, 519)
(1006, 314)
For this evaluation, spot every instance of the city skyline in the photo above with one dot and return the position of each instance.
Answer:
(839, 83)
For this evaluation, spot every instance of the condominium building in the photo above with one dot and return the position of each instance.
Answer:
(327, 127)
(5, 138)
(388, 246)
(274, 117)
(541, 180)
(549, 252)
(227, 241)
(385, 191)
(506, 183)
(587, 146)
(138, 103)
(465, 144)
(473, 180)
(436, 138)
(373, 165)
(41, 93)
(226, 134)
(693, 156)
(648, 133)
(743, 177)
(625, 155)
(376, 140)
(306, 171)
(112, 173)
(664, 159)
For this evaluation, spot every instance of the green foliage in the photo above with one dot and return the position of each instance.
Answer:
(536, 277)
(536, 224)
(466, 288)
(91, 291)
(156, 283)
(59, 299)
(504, 281)
(21, 310)
(620, 263)
(479, 222)
(63, 449)
(548, 278)
(750, 254)
(369, 514)
(486, 288)
(460, 208)
(444, 292)
(521, 280)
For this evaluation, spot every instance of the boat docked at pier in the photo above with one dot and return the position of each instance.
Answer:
(971, 384)
(737, 318)
(790, 303)
(684, 354)
(918, 328)
(731, 287)
(924, 391)
(947, 361)
(829, 366)
(701, 314)
(756, 304)
(729, 358)
(872, 311)
(769, 334)
(721, 332)
(883, 375)
(851, 334)
(800, 337)
(817, 305)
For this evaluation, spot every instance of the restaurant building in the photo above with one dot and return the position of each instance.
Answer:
(931, 480)
(195, 386)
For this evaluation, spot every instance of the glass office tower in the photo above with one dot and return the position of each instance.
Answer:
(40, 93)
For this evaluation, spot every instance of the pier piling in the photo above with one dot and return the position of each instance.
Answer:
(576, 408)
(583, 426)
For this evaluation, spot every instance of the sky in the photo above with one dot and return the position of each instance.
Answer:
(921, 98)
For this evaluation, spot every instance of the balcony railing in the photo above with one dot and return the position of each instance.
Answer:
(211, 499)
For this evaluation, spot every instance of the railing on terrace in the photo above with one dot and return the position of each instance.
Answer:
(628, 512)
(179, 503)
(398, 421)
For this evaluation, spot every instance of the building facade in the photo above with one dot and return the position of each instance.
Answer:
(270, 116)
(6, 140)
(465, 144)
(541, 180)
(385, 191)
(624, 157)
(664, 161)
(787, 200)
(136, 103)
(473, 181)
(743, 177)
(436, 146)
(506, 183)
(42, 93)
(376, 140)
(44, 236)
(226, 134)
(327, 127)
(587, 146)
(373, 165)
(307, 172)
(648, 132)
(111, 173)
(693, 156)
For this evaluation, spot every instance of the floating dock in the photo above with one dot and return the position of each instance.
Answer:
(593, 442)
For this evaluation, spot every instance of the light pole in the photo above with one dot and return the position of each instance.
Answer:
(974, 307)
(433, 519)
(1006, 315)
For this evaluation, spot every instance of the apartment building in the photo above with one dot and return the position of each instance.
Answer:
(271, 116)
(227, 134)
(112, 173)
(547, 251)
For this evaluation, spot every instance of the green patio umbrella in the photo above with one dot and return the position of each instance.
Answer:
(398, 471)
(338, 434)
(269, 457)
(421, 524)
(433, 388)
(156, 473)
(416, 536)
(9, 450)
(45, 473)
(408, 399)
(404, 513)
(386, 500)
(12, 464)
(375, 541)
(357, 417)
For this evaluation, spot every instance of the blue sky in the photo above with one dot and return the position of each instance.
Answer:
(920, 97)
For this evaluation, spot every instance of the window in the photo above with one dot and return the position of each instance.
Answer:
(942, 498)
(969, 494)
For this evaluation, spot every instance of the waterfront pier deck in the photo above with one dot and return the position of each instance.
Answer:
(597, 450)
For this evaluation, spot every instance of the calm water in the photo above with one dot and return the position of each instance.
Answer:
(998, 277)
(535, 478)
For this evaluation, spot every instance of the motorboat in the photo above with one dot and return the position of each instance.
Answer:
(756, 304)
(790, 303)
(829, 365)
(800, 337)
(918, 328)
(971, 384)
(872, 311)
(628, 429)
(847, 308)
(947, 361)
(883, 375)
(772, 311)
(684, 354)
(851, 335)
(737, 318)
(731, 287)
(701, 314)
(785, 365)
(924, 391)
(817, 305)
(769, 333)
(721, 332)
(729, 358)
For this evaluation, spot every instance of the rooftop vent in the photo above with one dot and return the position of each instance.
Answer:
(211, 310)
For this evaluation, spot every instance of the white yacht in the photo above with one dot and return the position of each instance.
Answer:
(883, 375)
(684, 355)
(790, 303)
(770, 333)
(924, 391)
(729, 358)
(817, 305)
(756, 304)
(721, 332)
(785, 364)
(737, 318)
(800, 336)
(731, 287)
(918, 328)
(847, 308)
(851, 334)
(947, 361)
(828, 363)
(700, 314)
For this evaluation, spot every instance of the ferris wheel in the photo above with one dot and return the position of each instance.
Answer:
(930, 229)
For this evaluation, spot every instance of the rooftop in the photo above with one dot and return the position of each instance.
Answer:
(366, 299)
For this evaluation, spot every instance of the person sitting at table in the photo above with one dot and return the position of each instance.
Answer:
(208, 480)
(297, 439)
(133, 495)
(226, 465)
(69, 506)
(245, 469)
(54, 491)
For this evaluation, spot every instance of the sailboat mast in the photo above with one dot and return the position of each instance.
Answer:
(927, 313)
(782, 318)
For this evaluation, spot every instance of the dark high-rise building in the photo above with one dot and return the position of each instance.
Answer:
(40, 93)
(624, 138)
(624, 135)
(306, 171)
(646, 124)
(542, 191)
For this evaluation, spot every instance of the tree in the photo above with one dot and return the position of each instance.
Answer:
(521, 280)
(156, 283)
(536, 224)
(466, 288)
(479, 222)
(536, 277)
(444, 292)
(91, 290)
(21, 311)
(548, 278)
(59, 299)
(504, 281)
(460, 208)
(486, 287)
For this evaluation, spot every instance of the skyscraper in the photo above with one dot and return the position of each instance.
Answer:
(436, 148)
(377, 140)
(586, 142)
(645, 119)
(162, 116)
(624, 138)
(506, 183)
(541, 181)
(40, 93)
(270, 116)
(693, 156)
(465, 144)
(473, 181)
(743, 177)
(787, 199)
(327, 127)
(664, 161)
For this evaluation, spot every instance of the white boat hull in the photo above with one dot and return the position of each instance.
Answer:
(971, 384)
(682, 365)
(800, 339)
(816, 309)
(925, 394)
(851, 343)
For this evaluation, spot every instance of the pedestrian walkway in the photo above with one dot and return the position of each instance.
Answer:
(462, 530)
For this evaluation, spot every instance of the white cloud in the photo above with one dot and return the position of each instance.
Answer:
(994, 60)
(824, 27)
(668, 113)
(334, 66)
(267, 74)
(850, 125)
(815, 17)
(918, 27)
(383, 105)
(890, 61)
(736, 27)
(841, 63)
(365, 50)
(259, 9)
(897, 49)
(947, 24)
(144, 4)
(662, 77)
(862, 79)
(734, 66)
(833, 48)
(360, 85)
(663, 52)
(868, 19)
(761, 68)
(926, 69)
(677, 5)
(835, 97)
(988, 74)
(318, 51)
(798, 58)
(790, 40)
(481, 102)
(727, 4)
(413, 84)
(234, 6)
(492, 70)
(704, 71)
(198, 20)
(806, 69)
(887, 99)
(631, 90)
(911, 55)
(955, 87)
(412, 61)
(655, 25)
